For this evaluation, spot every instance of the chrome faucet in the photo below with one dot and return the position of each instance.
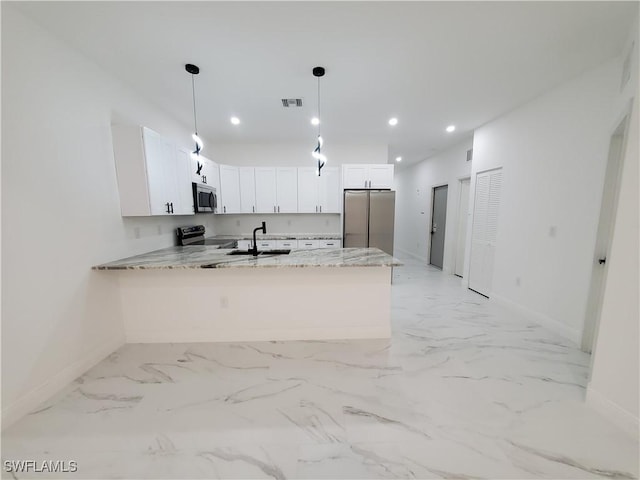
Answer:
(254, 249)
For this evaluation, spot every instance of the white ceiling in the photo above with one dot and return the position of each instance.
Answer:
(430, 64)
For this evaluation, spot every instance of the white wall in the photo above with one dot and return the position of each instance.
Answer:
(61, 213)
(414, 186)
(279, 223)
(553, 152)
(298, 154)
(613, 388)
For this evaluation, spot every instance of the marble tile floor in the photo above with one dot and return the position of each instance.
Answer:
(463, 389)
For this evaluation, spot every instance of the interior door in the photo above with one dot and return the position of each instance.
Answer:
(485, 230)
(461, 237)
(438, 224)
(608, 207)
(356, 219)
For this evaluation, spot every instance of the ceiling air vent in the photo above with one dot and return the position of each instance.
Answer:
(291, 102)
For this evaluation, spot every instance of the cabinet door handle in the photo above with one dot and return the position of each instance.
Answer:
(254, 209)
(320, 208)
(167, 204)
(224, 209)
(171, 207)
(278, 208)
(316, 209)
(274, 209)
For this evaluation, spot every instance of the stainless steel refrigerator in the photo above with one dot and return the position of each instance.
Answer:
(368, 219)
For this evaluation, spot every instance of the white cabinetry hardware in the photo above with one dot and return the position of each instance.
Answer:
(153, 174)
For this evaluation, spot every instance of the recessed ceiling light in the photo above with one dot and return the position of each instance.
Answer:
(398, 159)
(393, 121)
(235, 120)
(451, 128)
(315, 121)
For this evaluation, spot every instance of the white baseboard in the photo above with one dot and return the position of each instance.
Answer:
(625, 420)
(411, 254)
(36, 396)
(267, 335)
(563, 330)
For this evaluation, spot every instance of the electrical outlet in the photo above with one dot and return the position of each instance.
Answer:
(159, 229)
(289, 223)
(237, 223)
(224, 302)
(136, 232)
(517, 281)
(552, 231)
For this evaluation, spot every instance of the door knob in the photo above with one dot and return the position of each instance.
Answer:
(602, 261)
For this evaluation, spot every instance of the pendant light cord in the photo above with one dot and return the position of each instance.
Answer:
(193, 90)
(319, 122)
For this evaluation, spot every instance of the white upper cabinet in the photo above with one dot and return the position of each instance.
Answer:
(153, 174)
(247, 190)
(308, 190)
(276, 189)
(266, 199)
(287, 189)
(330, 193)
(229, 189)
(209, 174)
(367, 176)
(319, 194)
(182, 179)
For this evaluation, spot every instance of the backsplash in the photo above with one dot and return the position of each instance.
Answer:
(278, 223)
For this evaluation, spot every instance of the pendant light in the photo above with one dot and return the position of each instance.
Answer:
(317, 153)
(195, 70)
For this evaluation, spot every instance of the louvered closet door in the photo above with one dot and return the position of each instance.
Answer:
(485, 230)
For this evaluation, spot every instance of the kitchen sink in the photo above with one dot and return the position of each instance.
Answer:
(265, 252)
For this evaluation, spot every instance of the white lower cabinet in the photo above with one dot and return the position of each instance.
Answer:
(287, 243)
(330, 243)
(266, 244)
(308, 244)
(244, 244)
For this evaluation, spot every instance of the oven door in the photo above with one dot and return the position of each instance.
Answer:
(205, 199)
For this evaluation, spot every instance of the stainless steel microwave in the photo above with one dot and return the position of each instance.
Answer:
(205, 199)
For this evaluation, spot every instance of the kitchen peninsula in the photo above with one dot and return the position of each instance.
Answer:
(200, 293)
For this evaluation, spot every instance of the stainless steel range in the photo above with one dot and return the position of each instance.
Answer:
(194, 235)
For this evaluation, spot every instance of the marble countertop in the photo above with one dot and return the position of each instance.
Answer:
(281, 236)
(204, 256)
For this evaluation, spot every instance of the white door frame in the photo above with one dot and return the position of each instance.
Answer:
(456, 233)
(602, 248)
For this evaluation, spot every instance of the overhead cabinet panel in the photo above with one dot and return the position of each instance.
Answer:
(287, 190)
(367, 176)
(329, 191)
(229, 189)
(153, 174)
(266, 199)
(319, 194)
(247, 190)
(308, 187)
